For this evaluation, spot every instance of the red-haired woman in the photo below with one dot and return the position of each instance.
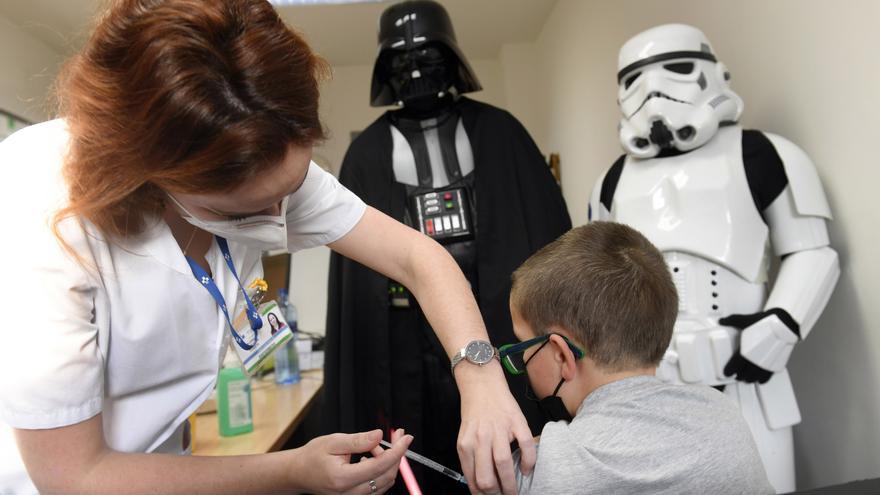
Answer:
(183, 150)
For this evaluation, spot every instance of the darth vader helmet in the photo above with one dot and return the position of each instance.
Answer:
(418, 55)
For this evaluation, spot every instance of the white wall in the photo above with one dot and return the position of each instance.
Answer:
(27, 69)
(345, 107)
(807, 70)
(525, 85)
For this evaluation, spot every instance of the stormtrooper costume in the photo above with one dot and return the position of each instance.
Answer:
(462, 172)
(721, 203)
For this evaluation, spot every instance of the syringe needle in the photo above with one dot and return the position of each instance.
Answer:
(429, 463)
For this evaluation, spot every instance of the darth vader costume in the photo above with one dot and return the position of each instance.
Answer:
(462, 172)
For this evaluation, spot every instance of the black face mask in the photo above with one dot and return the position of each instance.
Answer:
(552, 406)
(432, 62)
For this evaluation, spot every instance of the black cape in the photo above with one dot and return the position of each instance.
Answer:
(384, 366)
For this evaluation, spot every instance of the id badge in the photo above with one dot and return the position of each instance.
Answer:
(274, 332)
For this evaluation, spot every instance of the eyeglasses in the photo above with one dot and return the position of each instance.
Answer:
(511, 355)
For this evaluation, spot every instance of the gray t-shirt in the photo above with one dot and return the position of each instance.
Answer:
(641, 435)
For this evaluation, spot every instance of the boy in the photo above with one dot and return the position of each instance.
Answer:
(594, 311)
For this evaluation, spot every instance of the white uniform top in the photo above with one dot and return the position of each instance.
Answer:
(128, 332)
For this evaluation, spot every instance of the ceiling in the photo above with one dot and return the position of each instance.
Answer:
(343, 34)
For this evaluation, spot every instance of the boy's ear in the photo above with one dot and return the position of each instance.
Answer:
(563, 354)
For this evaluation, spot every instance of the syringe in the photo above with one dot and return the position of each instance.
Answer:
(431, 464)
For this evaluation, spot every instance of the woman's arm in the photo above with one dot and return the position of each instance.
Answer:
(75, 460)
(491, 419)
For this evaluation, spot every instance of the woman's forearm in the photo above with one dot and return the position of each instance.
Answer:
(428, 271)
(75, 460)
(447, 300)
(444, 295)
(118, 473)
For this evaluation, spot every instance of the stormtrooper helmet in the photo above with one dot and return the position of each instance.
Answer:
(418, 55)
(673, 92)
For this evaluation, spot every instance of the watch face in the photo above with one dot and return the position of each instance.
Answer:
(479, 352)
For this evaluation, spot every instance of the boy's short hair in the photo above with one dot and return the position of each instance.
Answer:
(609, 286)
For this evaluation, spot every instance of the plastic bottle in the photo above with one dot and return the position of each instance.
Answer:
(286, 356)
(234, 409)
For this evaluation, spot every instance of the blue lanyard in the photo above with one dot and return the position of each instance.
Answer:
(208, 282)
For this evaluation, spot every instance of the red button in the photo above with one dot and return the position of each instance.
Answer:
(429, 227)
(447, 196)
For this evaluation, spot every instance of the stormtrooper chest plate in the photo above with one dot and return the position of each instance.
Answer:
(698, 203)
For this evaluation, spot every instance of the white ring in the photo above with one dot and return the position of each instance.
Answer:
(373, 487)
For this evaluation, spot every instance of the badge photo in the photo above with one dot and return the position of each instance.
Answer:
(273, 333)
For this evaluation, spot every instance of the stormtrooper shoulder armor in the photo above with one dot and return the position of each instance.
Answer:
(806, 188)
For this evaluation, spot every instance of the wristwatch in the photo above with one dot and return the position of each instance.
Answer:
(478, 352)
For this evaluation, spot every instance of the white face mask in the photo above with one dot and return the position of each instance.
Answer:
(265, 232)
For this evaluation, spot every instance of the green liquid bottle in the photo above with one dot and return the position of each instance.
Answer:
(234, 408)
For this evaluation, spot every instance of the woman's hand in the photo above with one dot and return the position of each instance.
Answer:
(490, 420)
(324, 464)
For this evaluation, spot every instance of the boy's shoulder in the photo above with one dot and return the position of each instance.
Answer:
(640, 429)
(644, 397)
(638, 408)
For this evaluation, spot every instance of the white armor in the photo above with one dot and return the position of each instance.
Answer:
(699, 209)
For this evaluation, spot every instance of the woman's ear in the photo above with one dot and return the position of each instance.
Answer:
(563, 354)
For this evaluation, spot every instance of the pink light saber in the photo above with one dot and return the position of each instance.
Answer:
(409, 479)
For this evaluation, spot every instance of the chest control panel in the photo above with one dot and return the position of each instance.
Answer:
(444, 215)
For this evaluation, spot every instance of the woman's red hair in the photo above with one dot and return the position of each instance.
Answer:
(192, 96)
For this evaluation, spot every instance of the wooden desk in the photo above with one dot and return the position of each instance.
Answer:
(277, 409)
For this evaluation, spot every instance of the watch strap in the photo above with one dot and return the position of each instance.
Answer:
(457, 358)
